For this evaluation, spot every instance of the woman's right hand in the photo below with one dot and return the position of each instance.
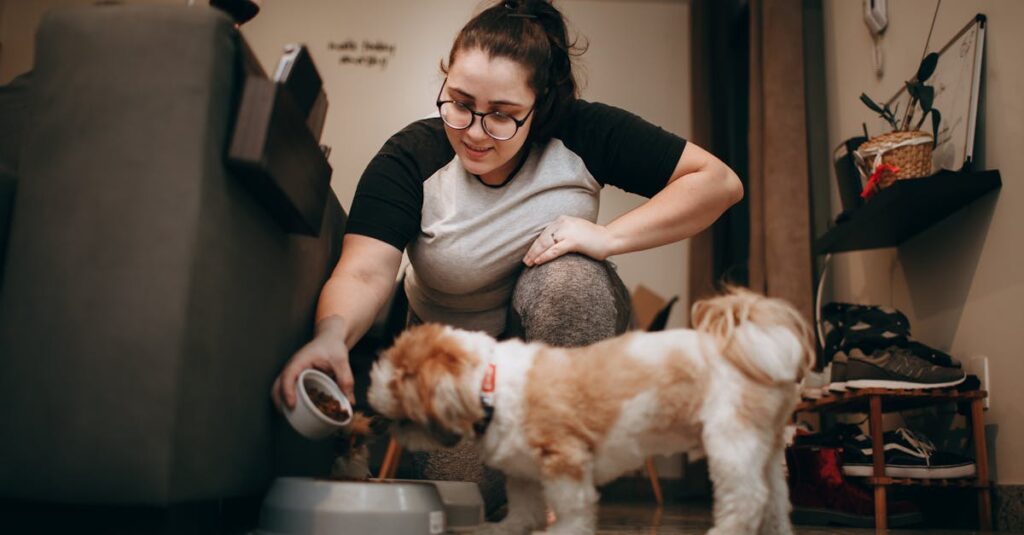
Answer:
(326, 352)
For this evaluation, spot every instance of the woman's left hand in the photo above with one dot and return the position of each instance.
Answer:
(570, 235)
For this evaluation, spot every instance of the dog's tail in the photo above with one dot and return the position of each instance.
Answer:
(764, 338)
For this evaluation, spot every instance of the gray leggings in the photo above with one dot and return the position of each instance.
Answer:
(573, 300)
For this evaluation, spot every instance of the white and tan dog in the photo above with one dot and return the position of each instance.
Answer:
(559, 422)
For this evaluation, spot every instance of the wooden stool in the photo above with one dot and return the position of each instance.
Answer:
(390, 464)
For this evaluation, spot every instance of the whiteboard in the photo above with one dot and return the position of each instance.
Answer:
(957, 80)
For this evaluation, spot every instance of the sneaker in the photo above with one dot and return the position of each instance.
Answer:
(932, 355)
(907, 454)
(895, 367)
(837, 381)
(870, 328)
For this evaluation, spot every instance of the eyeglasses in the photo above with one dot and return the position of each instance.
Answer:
(496, 124)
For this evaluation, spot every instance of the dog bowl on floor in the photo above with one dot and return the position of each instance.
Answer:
(463, 503)
(304, 506)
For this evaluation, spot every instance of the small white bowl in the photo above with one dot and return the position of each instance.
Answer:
(305, 417)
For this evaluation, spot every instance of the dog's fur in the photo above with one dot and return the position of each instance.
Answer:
(352, 451)
(566, 420)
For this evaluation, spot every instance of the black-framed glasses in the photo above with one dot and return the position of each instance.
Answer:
(496, 124)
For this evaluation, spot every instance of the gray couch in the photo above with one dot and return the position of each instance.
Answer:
(147, 300)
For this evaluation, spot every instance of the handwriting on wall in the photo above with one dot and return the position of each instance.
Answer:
(363, 53)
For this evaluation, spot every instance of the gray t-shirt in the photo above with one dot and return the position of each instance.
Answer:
(466, 239)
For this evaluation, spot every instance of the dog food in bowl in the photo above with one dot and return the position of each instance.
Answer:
(327, 404)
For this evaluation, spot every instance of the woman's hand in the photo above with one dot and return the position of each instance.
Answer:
(326, 352)
(570, 235)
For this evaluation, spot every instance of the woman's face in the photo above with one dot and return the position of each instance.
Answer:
(484, 84)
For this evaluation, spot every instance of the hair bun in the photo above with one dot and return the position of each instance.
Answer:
(516, 5)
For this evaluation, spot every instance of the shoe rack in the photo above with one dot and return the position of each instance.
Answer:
(877, 401)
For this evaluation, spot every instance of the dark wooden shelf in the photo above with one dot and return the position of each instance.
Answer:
(905, 209)
(892, 399)
(962, 482)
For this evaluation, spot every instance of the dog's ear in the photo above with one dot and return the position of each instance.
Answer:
(431, 370)
(394, 391)
(428, 344)
(444, 380)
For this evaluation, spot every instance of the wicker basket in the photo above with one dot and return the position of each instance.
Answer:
(910, 151)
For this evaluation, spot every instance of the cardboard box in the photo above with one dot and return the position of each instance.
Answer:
(650, 310)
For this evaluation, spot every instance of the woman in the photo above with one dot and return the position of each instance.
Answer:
(496, 201)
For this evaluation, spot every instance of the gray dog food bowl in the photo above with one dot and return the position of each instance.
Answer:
(304, 506)
(463, 503)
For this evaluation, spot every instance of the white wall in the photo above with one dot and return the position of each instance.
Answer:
(638, 59)
(960, 282)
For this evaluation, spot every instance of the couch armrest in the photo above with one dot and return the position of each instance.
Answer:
(148, 298)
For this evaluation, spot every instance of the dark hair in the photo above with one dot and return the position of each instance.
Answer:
(532, 33)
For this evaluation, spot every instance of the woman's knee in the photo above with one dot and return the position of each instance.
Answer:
(572, 300)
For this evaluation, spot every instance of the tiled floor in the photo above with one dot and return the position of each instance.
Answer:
(687, 519)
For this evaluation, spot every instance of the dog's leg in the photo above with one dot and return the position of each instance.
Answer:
(776, 513)
(736, 458)
(525, 509)
(574, 502)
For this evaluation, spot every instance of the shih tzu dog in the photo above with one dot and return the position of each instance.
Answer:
(559, 422)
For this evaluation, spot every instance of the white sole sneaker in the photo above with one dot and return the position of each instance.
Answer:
(915, 472)
(884, 383)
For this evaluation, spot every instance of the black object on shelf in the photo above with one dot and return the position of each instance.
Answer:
(847, 176)
(905, 209)
(297, 72)
(274, 153)
(241, 10)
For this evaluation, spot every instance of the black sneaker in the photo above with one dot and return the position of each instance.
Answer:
(895, 367)
(907, 454)
(870, 328)
(837, 376)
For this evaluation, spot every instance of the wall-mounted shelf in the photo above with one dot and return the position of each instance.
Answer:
(905, 209)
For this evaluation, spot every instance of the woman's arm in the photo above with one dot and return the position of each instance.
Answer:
(349, 302)
(360, 284)
(700, 189)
